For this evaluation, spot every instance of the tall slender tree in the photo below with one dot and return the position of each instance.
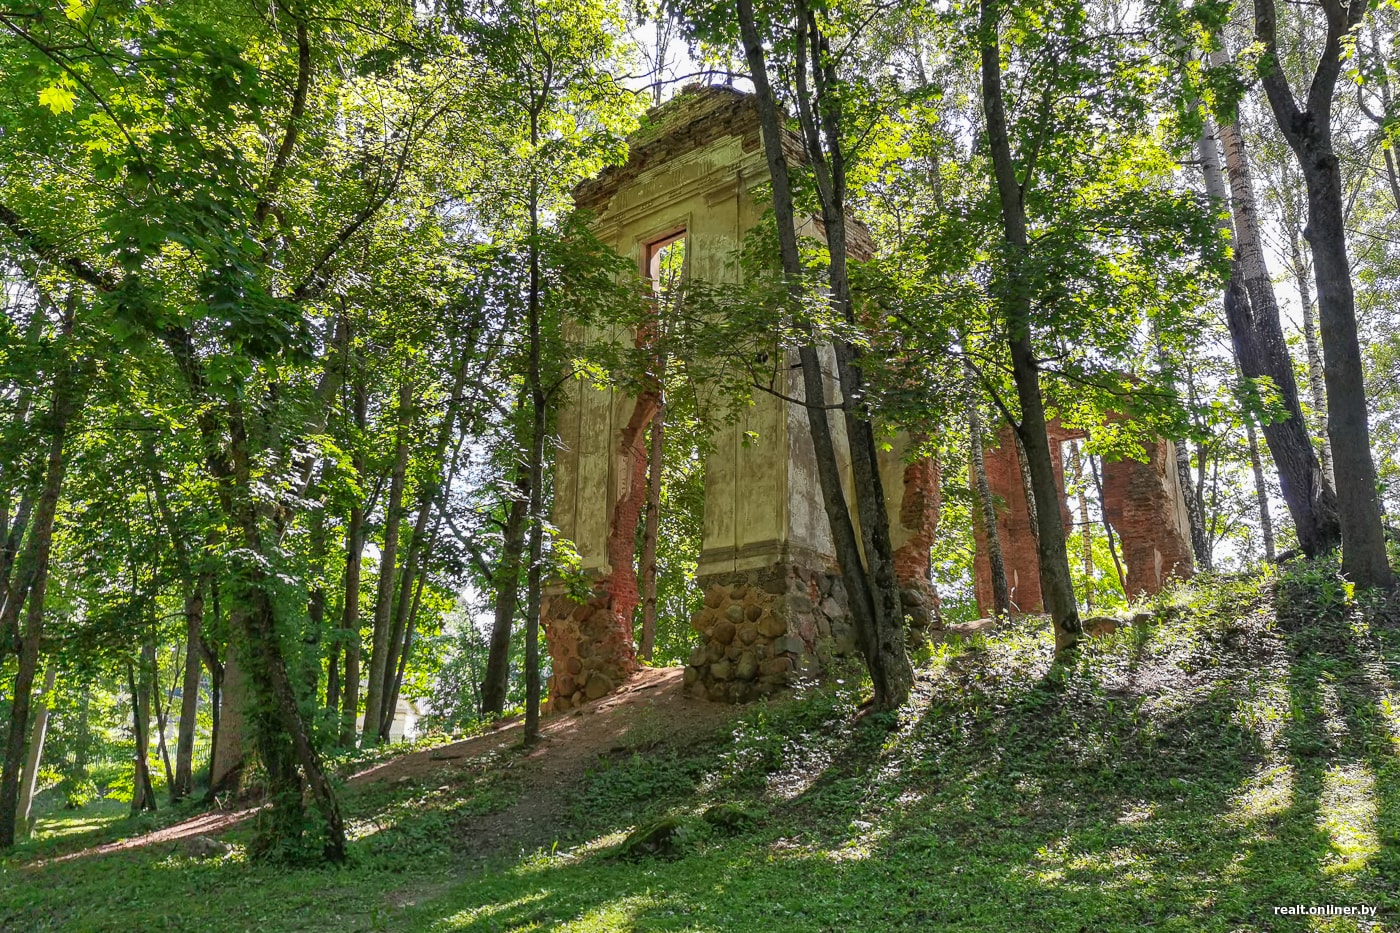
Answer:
(1307, 126)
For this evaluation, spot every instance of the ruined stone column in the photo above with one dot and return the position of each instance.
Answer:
(1014, 523)
(775, 605)
(912, 500)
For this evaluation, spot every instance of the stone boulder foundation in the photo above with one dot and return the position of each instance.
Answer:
(761, 629)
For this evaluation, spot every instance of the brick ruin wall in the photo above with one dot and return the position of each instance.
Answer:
(921, 499)
(591, 642)
(1140, 500)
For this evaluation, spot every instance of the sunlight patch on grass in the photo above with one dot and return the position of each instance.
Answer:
(1389, 706)
(479, 916)
(1136, 814)
(1347, 811)
(1268, 792)
(621, 914)
(97, 815)
(1265, 713)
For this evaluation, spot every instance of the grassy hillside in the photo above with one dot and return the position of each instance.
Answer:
(1240, 753)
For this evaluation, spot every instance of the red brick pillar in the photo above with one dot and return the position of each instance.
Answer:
(591, 643)
(919, 504)
(1143, 504)
(1018, 549)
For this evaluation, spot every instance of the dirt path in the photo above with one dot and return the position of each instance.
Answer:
(648, 709)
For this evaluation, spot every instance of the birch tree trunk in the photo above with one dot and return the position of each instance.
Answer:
(1251, 312)
(1200, 540)
(30, 780)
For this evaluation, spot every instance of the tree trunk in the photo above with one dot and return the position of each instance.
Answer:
(1200, 541)
(162, 711)
(534, 384)
(869, 576)
(410, 586)
(1317, 389)
(67, 396)
(1001, 592)
(14, 587)
(384, 599)
(1027, 486)
(283, 738)
(1056, 584)
(309, 679)
(495, 684)
(143, 794)
(350, 620)
(183, 785)
(1086, 529)
(1261, 491)
(29, 782)
(887, 656)
(226, 757)
(1108, 527)
(1309, 134)
(652, 530)
(1251, 311)
(421, 543)
(216, 688)
(407, 651)
(82, 742)
(333, 669)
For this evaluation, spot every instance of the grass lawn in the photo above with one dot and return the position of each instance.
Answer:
(1240, 753)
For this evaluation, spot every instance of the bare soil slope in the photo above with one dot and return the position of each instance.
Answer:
(648, 709)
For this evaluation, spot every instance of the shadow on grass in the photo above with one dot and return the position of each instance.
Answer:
(1173, 785)
(1190, 776)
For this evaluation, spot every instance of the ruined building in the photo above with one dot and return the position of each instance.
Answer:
(1142, 501)
(774, 605)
